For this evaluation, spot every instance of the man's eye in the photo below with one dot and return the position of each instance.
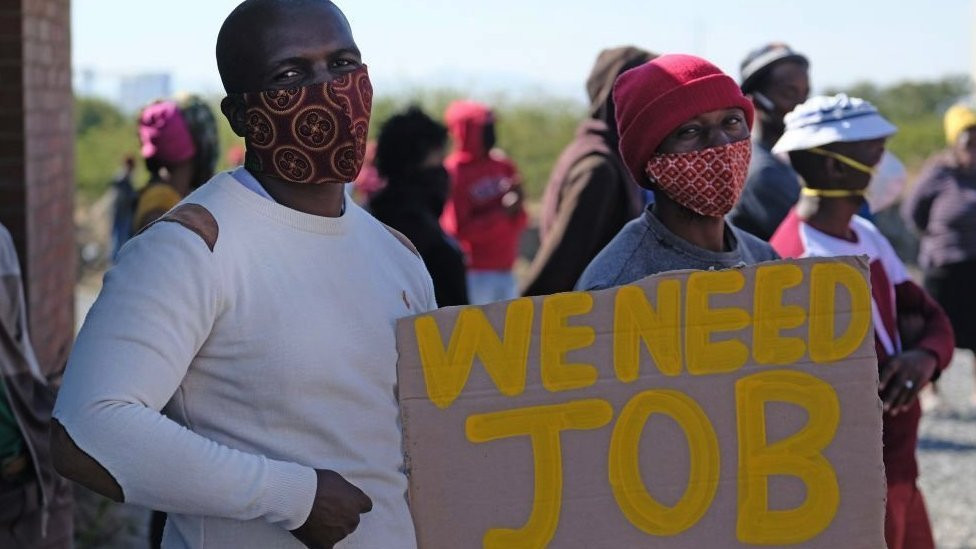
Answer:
(733, 120)
(689, 132)
(290, 73)
(343, 63)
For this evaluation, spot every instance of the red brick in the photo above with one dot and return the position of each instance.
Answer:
(11, 168)
(11, 146)
(11, 101)
(11, 49)
(11, 24)
(11, 123)
(36, 164)
(11, 75)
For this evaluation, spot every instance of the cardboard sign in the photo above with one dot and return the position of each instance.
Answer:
(734, 408)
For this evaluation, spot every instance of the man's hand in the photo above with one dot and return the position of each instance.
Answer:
(335, 511)
(512, 201)
(903, 376)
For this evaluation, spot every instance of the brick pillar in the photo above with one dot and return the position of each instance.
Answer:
(37, 165)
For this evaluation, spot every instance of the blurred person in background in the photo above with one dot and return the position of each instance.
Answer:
(123, 204)
(35, 502)
(179, 145)
(776, 79)
(235, 156)
(884, 198)
(369, 182)
(591, 194)
(942, 207)
(202, 124)
(410, 158)
(675, 113)
(484, 211)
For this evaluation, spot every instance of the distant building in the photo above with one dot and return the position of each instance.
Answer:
(138, 90)
(87, 82)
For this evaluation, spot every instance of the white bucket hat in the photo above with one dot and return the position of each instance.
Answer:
(831, 119)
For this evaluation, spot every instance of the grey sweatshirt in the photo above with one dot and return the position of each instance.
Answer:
(645, 247)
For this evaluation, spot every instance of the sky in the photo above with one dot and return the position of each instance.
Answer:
(547, 46)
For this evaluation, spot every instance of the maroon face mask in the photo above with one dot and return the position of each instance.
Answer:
(315, 134)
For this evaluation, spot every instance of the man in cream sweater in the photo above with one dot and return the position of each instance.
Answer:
(238, 369)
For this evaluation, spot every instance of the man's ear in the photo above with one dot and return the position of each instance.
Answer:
(235, 110)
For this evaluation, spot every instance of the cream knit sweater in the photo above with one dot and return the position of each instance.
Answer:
(211, 383)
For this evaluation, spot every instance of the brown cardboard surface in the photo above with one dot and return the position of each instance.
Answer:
(471, 473)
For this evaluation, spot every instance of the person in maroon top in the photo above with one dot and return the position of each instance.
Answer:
(834, 143)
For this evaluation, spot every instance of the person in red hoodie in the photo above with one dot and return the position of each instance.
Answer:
(484, 211)
(834, 144)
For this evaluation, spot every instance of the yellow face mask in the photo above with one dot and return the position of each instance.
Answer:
(832, 193)
(844, 160)
(838, 193)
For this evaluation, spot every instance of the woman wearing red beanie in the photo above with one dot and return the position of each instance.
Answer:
(684, 134)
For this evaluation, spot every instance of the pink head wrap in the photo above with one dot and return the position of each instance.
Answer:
(164, 134)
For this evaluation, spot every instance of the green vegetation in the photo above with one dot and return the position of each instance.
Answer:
(103, 137)
(532, 130)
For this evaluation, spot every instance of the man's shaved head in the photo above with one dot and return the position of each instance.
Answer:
(258, 34)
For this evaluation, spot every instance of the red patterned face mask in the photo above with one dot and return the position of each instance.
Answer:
(707, 182)
(315, 134)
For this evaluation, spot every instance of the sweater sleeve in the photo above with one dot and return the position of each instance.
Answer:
(154, 313)
(430, 295)
(935, 331)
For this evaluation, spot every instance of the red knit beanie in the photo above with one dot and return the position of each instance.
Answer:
(652, 100)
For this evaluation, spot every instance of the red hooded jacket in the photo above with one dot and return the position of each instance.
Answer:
(474, 213)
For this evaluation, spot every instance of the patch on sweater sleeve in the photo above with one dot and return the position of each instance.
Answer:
(403, 240)
(196, 218)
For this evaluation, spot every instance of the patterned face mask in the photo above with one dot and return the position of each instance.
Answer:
(707, 182)
(315, 134)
